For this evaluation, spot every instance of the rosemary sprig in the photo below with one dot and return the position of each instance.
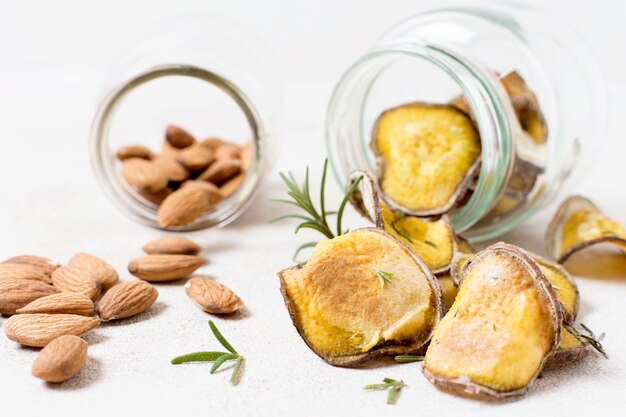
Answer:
(388, 384)
(218, 358)
(383, 276)
(408, 358)
(313, 218)
(594, 340)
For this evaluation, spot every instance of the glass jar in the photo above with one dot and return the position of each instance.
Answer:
(204, 73)
(436, 56)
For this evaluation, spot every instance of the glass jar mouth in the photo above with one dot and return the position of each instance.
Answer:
(479, 86)
(128, 200)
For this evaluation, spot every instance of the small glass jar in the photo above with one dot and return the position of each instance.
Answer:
(204, 73)
(434, 57)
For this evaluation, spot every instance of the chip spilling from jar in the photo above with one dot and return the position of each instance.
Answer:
(187, 178)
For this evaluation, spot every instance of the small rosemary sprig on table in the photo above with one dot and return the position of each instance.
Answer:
(388, 384)
(383, 276)
(218, 358)
(408, 358)
(313, 218)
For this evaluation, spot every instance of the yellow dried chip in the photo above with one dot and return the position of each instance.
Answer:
(503, 326)
(577, 224)
(562, 283)
(362, 295)
(459, 260)
(431, 239)
(571, 349)
(449, 290)
(427, 155)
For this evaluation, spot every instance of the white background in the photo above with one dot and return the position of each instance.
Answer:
(53, 56)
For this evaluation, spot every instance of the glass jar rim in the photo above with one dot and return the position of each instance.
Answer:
(108, 178)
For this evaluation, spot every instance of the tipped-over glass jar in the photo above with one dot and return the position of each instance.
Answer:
(205, 74)
(465, 57)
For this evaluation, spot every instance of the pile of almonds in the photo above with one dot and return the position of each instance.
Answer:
(52, 305)
(189, 177)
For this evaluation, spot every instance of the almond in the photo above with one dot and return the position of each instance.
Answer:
(227, 151)
(126, 300)
(44, 264)
(60, 303)
(133, 151)
(37, 330)
(23, 271)
(211, 189)
(212, 297)
(15, 294)
(183, 206)
(196, 157)
(144, 175)
(173, 170)
(76, 279)
(164, 267)
(212, 143)
(221, 170)
(172, 246)
(178, 137)
(99, 268)
(61, 359)
(232, 185)
(247, 155)
(158, 197)
(169, 151)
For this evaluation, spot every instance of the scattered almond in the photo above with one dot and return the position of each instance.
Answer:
(126, 300)
(196, 157)
(232, 185)
(211, 189)
(172, 246)
(60, 303)
(178, 138)
(133, 151)
(16, 293)
(61, 359)
(76, 279)
(144, 175)
(184, 206)
(23, 271)
(173, 170)
(221, 170)
(227, 151)
(44, 264)
(37, 330)
(212, 297)
(159, 268)
(99, 268)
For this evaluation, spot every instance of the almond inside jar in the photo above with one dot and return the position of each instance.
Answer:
(187, 177)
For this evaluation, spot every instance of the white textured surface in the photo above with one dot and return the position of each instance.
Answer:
(51, 206)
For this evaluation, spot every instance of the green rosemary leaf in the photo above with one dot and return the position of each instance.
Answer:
(345, 200)
(303, 246)
(314, 226)
(556, 288)
(330, 213)
(408, 358)
(428, 242)
(391, 384)
(221, 338)
(290, 216)
(400, 232)
(383, 276)
(219, 361)
(235, 376)
(322, 197)
(197, 357)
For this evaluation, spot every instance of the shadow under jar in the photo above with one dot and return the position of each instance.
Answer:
(205, 74)
(464, 57)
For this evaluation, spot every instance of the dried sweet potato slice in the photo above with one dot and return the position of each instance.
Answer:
(459, 260)
(347, 313)
(562, 283)
(578, 224)
(427, 155)
(449, 290)
(431, 239)
(503, 326)
(570, 350)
